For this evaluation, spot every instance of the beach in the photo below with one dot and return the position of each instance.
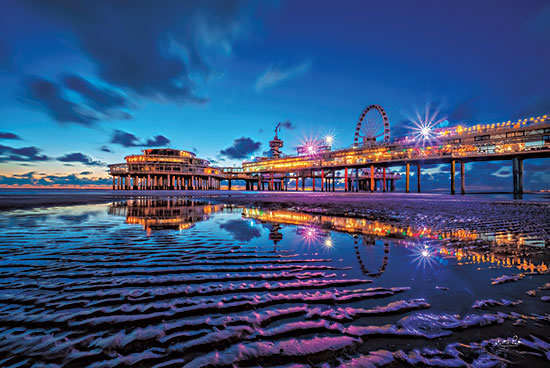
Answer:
(217, 279)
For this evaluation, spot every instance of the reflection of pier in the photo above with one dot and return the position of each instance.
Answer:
(355, 226)
(505, 250)
(161, 214)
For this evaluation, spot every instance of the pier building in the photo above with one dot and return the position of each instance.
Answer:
(165, 169)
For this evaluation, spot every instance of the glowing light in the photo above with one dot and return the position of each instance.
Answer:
(423, 126)
(328, 242)
(329, 139)
(252, 158)
(422, 256)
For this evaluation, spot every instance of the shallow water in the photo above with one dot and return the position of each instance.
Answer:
(176, 282)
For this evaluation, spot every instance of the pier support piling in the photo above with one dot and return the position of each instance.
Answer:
(372, 183)
(418, 178)
(407, 177)
(453, 177)
(517, 171)
(462, 179)
(346, 179)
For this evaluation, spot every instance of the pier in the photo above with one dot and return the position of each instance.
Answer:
(364, 166)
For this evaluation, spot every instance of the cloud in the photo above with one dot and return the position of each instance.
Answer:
(40, 179)
(106, 149)
(288, 125)
(6, 57)
(7, 135)
(241, 148)
(79, 157)
(539, 24)
(240, 230)
(276, 74)
(126, 139)
(45, 95)
(157, 141)
(154, 51)
(105, 101)
(28, 154)
(465, 111)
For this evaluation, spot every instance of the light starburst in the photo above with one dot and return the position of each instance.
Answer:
(423, 125)
(423, 256)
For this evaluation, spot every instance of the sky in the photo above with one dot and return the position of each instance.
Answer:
(85, 83)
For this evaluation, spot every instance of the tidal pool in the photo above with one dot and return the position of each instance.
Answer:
(170, 282)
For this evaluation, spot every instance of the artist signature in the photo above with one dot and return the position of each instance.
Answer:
(508, 342)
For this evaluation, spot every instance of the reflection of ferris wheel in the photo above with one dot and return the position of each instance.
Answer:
(372, 253)
(373, 127)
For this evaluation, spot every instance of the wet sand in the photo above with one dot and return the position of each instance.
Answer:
(84, 286)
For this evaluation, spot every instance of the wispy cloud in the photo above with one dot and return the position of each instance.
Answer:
(276, 74)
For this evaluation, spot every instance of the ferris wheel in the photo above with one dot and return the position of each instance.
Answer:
(372, 128)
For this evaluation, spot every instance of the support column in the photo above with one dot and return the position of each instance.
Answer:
(462, 179)
(418, 177)
(372, 183)
(520, 176)
(453, 177)
(296, 181)
(392, 185)
(517, 168)
(313, 181)
(357, 179)
(384, 179)
(228, 184)
(333, 180)
(114, 183)
(515, 174)
(271, 183)
(346, 179)
(303, 183)
(322, 180)
(407, 177)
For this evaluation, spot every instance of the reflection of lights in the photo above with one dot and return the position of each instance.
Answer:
(251, 223)
(309, 234)
(422, 256)
(328, 242)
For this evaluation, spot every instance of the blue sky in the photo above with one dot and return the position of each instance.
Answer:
(86, 83)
